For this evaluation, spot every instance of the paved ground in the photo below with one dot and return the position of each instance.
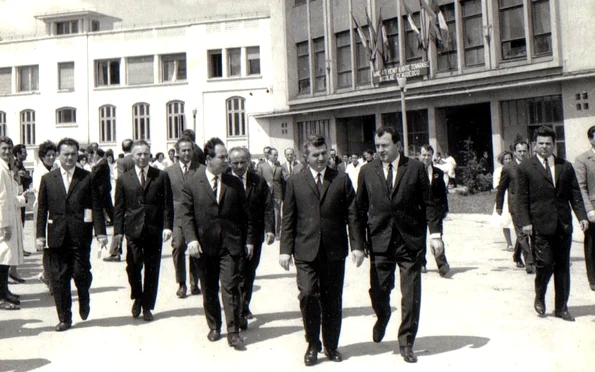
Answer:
(479, 318)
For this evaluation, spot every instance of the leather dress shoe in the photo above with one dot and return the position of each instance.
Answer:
(12, 299)
(539, 306)
(13, 294)
(112, 258)
(243, 323)
(234, 340)
(311, 356)
(214, 335)
(84, 310)
(63, 326)
(379, 330)
(136, 307)
(444, 269)
(333, 355)
(16, 278)
(248, 315)
(424, 270)
(564, 315)
(530, 269)
(181, 293)
(408, 354)
(195, 290)
(147, 315)
(519, 264)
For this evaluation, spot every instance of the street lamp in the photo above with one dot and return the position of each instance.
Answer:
(194, 111)
(403, 87)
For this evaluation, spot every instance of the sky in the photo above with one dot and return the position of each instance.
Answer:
(17, 16)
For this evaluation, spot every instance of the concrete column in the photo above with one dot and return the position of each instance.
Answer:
(497, 141)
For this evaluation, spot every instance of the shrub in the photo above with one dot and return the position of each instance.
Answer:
(472, 175)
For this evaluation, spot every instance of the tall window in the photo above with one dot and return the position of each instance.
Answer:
(66, 116)
(215, 63)
(95, 26)
(412, 52)
(312, 127)
(28, 78)
(512, 29)
(362, 60)
(28, 127)
(173, 67)
(473, 33)
(344, 59)
(234, 65)
(66, 76)
(141, 120)
(303, 64)
(140, 70)
(107, 73)
(392, 34)
(68, 27)
(5, 80)
(253, 60)
(447, 54)
(417, 127)
(107, 123)
(542, 28)
(319, 65)
(175, 119)
(236, 117)
(2, 124)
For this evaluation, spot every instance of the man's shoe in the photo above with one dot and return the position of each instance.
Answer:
(311, 356)
(84, 310)
(112, 258)
(243, 323)
(333, 355)
(520, 264)
(530, 269)
(63, 326)
(181, 293)
(444, 269)
(136, 307)
(26, 254)
(379, 330)
(16, 278)
(234, 340)
(8, 292)
(147, 315)
(564, 315)
(539, 306)
(424, 270)
(248, 315)
(195, 290)
(408, 354)
(12, 299)
(214, 335)
(5, 305)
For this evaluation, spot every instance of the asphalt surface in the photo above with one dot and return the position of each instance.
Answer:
(480, 317)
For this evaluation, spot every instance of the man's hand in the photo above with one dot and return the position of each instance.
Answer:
(584, 225)
(116, 241)
(499, 211)
(102, 239)
(249, 250)
(5, 234)
(528, 230)
(285, 261)
(194, 249)
(39, 244)
(166, 234)
(357, 257)
(269, 238)
(437, 246)
(591, 216)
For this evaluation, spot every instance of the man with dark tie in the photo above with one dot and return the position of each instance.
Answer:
(70, 206)
(218, 229)
(439, 195)
(178, 174)
(318, 203)
(547, 189)
(260, 206)
(291, 166)
(394, 202)
(144, 213)
(197, 155)
(272, 172)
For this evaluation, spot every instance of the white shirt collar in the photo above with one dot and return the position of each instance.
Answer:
(210, 175)
(395, 163)
(182, 165)
(64, 171)
(137, 169)
(315, 173)
(550, 160)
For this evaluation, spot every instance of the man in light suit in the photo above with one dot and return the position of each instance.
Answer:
(508, 182)
(547, 189)
(70, 206)
(218, 229)
(272, 172)
(585, 173)
(318, 202)
(178, 174)
(291, 166)
(144, 213)
(394, 201)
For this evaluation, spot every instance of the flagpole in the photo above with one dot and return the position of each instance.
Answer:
(402, 85)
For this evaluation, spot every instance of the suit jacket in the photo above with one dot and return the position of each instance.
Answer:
(274, 178)
(177, 179)
(584, 166)
(198, 156)
(125, 164)
(216, 226)
(508, 182)
(311, 223)
(24, 180)
(295, 168)
(102, 175)
(409, 207)
(63, 212)
(439, 192)
(143, 212)
(541, 204)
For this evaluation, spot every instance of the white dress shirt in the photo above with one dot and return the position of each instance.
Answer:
(315, 174)
(182, 166)
(137, 170)
(211, 178)
(552, 165)
(395, 164)
(67, 177)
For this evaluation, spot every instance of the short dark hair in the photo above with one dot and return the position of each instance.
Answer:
(127, 145)
(266, 150)
(7, 140)
(314, 141)
(182, 139)
(174, 150)
(242, 149)
(17, 149)
(46, 147)
(395, 136)
(520, 142)
(100, 152)
(66, 141)
(368, 151)
(502, 155)
(190, 134)
(544, 131)
(209, 148)
(157, 155)
(590, 132)
(109, 152)
(427, 147)
(82, 156)
(140, 143)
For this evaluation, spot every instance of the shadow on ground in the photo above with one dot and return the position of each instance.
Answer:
(15, 328)
(22, 365)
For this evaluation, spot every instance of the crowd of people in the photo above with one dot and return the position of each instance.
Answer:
(218, 207)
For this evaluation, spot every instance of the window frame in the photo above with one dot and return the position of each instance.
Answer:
(7, 72)
(450, 54)
(319, 55)
(109, 73)
(234, 62)
(180, 67)
(73, 27)
(344, 48)
(468, 49)
(547, 35)
(234, 128)
(3, 124)
(215, 73)
(392, 35)
(60, 114)
(176, 119)
(107, 124)
(32, 74)
(60, 85)
(363, 74)
(142, 79)
(249, 61)
(505, 9)
(303, 54)
(27, 127)
(141, 121)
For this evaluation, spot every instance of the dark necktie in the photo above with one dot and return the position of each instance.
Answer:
(319, 184)
(215, 186)
(143, 180)
(242, 181)
(389, 178)
(290, 169)
(185, 169)
(548, 170)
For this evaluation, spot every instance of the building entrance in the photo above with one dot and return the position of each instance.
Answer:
(469, 122)
(355, 134)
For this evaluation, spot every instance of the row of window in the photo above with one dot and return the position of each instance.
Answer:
(72, 27)
(141, 121)
(515, 39)
(233, 64)
(140, 70)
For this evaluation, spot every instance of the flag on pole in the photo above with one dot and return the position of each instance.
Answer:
(383, 35)
(362, 36)
(410, 18)
(373, 37)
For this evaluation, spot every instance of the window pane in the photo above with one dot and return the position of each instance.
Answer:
(114, 72)
(234, 56)
(471, 7)
(140, 70)
(473, 32)
(66, 76)
(253, 55)
(216, 67)
(5, 80)
(512, 25)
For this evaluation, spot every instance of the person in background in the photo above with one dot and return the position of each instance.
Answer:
(333, 159)
(291, 166)
(197, 153)
(102, 175)
(272, 172)
(159, 162)
(353, 169)
(503, 220)
(344, 162)
(21, 175)
(452, 176)
(171, 153)
(83, 162)
(368, 155)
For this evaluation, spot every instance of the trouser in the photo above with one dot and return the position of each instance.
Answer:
(590, 253)
(247, 276)
(277, 207)
(144, 252)
(108, 205)
(440, 259)
(179, 256)
(522, 245)
(4, 281)
(224, 268)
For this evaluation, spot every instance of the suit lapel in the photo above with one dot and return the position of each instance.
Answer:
(60, 182)
(152, 173)
(329, 175)
(558, 169)
(541, 169)
(75, 180)
(401, 169)
(249, 184)
(223, 187)
(311, 182)
(380, 172)
(206, 185)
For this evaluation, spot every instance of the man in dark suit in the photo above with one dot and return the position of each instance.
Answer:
(70, 206)
(439, 198)
(21, 175)
(547, 188)
(198, 156)
(272, 172)
(260, 206)
(101, 173)
(218, 229)
(291, 166)
(178, 173)
(508, 182)
(318, 202)
(144, 213)
(394, 201)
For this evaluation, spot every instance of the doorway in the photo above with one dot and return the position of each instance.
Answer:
(469, 122)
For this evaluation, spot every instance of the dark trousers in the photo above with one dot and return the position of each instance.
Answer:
(320, 283)
(65, 264)
(552, 256)
(247, 276)
(144, 252)
(108, 205)
(590, 253)
(277, 207)
(4, 269)
(224, 268)
(522, 246)
(382, 282)
(179, 256)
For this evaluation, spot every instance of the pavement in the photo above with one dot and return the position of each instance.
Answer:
(480, 317)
